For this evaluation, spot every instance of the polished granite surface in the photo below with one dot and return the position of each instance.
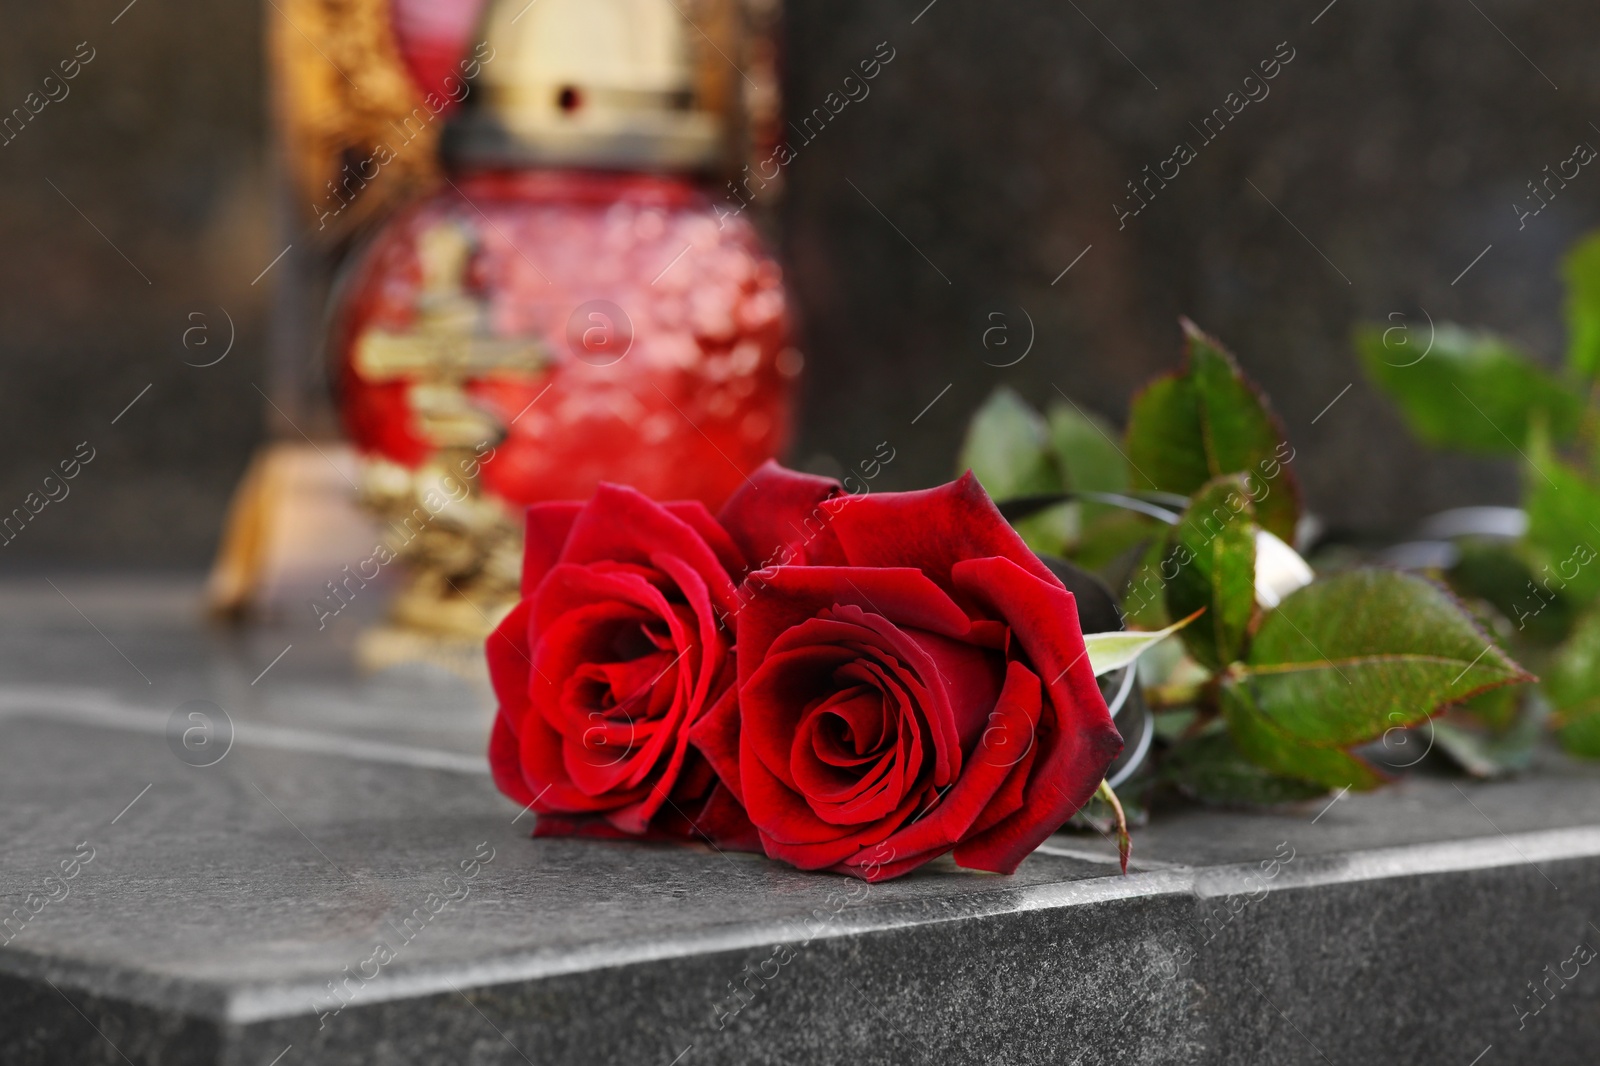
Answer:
(342, 883)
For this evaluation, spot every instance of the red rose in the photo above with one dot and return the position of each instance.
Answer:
(925, 691)
(618, 646)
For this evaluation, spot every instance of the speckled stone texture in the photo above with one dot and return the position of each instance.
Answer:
(230, 913)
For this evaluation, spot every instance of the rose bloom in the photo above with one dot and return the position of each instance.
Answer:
(918, 685)
(618, 646)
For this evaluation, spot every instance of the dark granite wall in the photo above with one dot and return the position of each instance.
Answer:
(1385, 158)
(159, 143)
(997, 141)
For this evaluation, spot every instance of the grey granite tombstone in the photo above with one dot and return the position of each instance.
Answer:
(317, 870)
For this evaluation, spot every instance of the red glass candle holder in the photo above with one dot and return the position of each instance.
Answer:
(607, 326)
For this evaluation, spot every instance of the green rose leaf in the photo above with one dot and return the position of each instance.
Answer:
(1110, 544)
(1212, 769)
(1574, 687)
(1208, 420)
(1008, 448)
(1282, 755)
(1581, 271)
(1500, 710)
(1087, 451)
(1348, 658)
(1563, 533)
(1498, 573)
(1580, 730)
(1574, 675)
(1144, 600)
(1210, 566)
(1470, 390)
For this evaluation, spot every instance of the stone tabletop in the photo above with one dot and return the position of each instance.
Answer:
(336, 880)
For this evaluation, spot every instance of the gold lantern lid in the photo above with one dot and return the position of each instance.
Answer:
(630, 84)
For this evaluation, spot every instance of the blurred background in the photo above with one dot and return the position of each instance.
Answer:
(979, 180)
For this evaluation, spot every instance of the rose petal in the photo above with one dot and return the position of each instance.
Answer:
(510, 665)
(505, 766)
(863, 792)
(932, 530)
(792, 594)
(943, 826)
(716, 735)
(636, 818)
(792, 832)
(622, 525)
(693, 513)
(957, 684)
(776, 518)
(546, 527)
(797, 675)
(568, 589)
(1077, 740)
(724, 822)
(705, 664)
(541, 750)
(576, 640)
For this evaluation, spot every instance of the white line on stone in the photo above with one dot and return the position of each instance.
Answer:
(251, 1005)
(97, 710)
(536, 799)
(281, 1054)
(1329, 807)
(1508, 840)
(1481, 1054)
(135, 799)
(1085, 855)
(270, 665)
(96, 628)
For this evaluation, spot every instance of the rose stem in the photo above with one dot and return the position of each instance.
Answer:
(1124, 841)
